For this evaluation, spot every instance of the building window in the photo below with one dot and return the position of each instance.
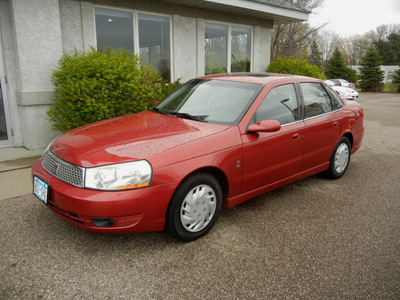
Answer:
(144, 34)
(223, 54)
(216, 48)
(241, 49)
(114, 29)
(154, 33)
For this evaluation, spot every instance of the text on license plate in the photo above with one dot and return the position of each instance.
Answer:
(40, 189)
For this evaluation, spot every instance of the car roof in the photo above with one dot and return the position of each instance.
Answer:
(339, 79)
(260, 78)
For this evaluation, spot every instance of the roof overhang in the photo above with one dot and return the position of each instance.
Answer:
(262, 9)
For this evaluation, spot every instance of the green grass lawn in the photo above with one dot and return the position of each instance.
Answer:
(389, 88)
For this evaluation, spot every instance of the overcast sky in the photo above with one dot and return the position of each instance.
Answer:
(350, 17)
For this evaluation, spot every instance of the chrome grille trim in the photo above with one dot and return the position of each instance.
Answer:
(63, 170)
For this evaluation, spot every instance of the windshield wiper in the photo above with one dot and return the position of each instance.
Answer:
(189, 116)
(181, 115)
(161, 111)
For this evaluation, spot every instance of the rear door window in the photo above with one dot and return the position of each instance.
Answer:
(336, 102)
(316, 99)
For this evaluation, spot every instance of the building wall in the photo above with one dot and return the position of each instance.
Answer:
(10, 69)
(32, 45)
(35, 36)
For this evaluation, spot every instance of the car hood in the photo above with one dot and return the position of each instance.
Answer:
(132, 137)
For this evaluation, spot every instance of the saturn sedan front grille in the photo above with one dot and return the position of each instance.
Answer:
(63, 170)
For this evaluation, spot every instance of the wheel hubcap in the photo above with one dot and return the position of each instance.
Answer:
(341, 158)
(198, 208)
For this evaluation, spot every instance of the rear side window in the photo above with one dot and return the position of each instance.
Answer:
(316, 99)
(280, 104)
(336, 102)
(336, 82)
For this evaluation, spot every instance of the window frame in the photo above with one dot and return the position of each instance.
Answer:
(229, 43)
(327, 91)
(119, 10)
(298, 103)
(334, 98)
(135, 25)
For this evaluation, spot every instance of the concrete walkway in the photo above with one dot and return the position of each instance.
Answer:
(15, 171)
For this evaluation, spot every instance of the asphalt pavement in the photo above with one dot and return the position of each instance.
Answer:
(313, 239)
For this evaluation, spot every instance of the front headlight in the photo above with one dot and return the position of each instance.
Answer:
(122, 176)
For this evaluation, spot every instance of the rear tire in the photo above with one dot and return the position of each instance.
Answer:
(194, 208)
(340, 159)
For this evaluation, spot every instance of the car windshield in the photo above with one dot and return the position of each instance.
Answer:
(212, 101)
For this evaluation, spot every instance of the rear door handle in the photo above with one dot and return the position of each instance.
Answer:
(296, 136)
(335, 124)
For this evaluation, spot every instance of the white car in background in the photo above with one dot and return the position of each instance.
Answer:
(343, 82)
(344, 92)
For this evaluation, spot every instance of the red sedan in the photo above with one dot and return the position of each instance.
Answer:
(217, 140)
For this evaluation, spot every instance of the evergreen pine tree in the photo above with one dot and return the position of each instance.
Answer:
(371, 75)
(335, 66)
(315, 58)
(396, 80)
(389, 49)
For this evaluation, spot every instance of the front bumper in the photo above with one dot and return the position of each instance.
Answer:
(131, 211)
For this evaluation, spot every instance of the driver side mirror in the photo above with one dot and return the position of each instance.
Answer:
(265, 126)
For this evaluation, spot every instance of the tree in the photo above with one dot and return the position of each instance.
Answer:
(292, 39)
(396, 80)
(381, 32)
(336, 68)
(371, 75)
(315, 57)
(327, 42)
(354, 48)
(389, 49)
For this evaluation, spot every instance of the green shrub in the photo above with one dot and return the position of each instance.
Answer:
(97, 85)
(240, 66)
(216, 70)
(169, 87)
(291, 65)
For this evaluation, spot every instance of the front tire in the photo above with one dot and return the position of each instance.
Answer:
(194, 208)
(340, 158)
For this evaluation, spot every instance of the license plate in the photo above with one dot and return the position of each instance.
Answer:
(40, 189)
